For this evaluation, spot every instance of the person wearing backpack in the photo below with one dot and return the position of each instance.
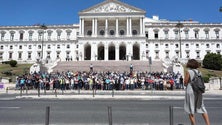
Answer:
(193, 98)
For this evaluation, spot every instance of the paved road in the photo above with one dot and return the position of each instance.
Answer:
(95, 112)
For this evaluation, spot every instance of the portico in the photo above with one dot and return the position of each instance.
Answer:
(111, 31)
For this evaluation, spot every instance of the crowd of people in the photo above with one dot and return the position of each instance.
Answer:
(101, 80)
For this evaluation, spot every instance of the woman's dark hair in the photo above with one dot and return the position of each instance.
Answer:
(193, 64)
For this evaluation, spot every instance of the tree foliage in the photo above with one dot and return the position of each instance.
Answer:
(13, 63)
(212, 61)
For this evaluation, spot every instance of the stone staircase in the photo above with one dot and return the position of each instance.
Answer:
(100, 66)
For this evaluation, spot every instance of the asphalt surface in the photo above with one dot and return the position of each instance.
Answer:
(95, 112)
(84, 108)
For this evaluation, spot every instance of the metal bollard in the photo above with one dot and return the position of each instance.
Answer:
(20, 91)
(171, 115)
(44, 91)
(47, 113)
(112, 92)
(110, 115)
(55, 92)
(38, 92)
(93, 93)
(7, 90)
(78, 90)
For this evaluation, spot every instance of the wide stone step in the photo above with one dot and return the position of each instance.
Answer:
(100, 66)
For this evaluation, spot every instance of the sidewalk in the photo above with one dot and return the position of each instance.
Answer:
(104, 94)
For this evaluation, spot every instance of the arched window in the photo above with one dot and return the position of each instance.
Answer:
(121, 32)
(111, 32)
(134, 32)
(102, 32)
(89, 33)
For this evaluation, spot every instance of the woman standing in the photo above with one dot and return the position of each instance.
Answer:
(190, 105)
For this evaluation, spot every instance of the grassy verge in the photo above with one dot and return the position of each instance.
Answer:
(14, 71)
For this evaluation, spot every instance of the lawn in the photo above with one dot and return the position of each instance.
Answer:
(14, 71)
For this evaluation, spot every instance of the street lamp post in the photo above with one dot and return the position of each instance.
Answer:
(43, 27)
(180, 25)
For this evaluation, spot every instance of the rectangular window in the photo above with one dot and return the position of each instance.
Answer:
(177, 53)
(196, 35)
(156, 35)
(198, 54)
(10, 55)
(207, 34)
(57, 55)
(68, 35)
(11, 47)
(48, 55)
(167, 55)
(188, 54)
(217, 34)
(29, 55)
(2, 47)
(58, 47)
(186, 35)
(156, 45)
(20, 56)
(1, 55)
(68, 46)
(12, 37)
(49, 47)
(21, 36)
(30, 46)
(176, 45)
(30, 36)
(147, 34)
(157, 54)
(2, 36)
(218, 45)
(197, 45)
(58, 36)
(166, 34)
(20, 46)
(39, 54)
(176, 34)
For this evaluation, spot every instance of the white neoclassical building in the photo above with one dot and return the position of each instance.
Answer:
(111, 30)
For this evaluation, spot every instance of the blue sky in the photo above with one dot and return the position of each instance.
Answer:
(30, 12)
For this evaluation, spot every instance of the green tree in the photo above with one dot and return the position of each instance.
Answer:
(212, 61)
(13, 63)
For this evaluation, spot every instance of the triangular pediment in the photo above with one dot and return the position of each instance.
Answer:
(112, 6)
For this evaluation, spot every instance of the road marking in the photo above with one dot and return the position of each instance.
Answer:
(10, 107)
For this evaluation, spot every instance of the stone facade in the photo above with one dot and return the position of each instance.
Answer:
(111, 30)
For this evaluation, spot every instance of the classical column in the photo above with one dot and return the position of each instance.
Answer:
(117, 52)
(93, 27)
(83, 27)
(106, 52)
(117, 27)
(106, 28)
(96, 22)
(130, 26)
(94, 53)
(127, 26)
(80, 26)
(129, 51)
(141, 26)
